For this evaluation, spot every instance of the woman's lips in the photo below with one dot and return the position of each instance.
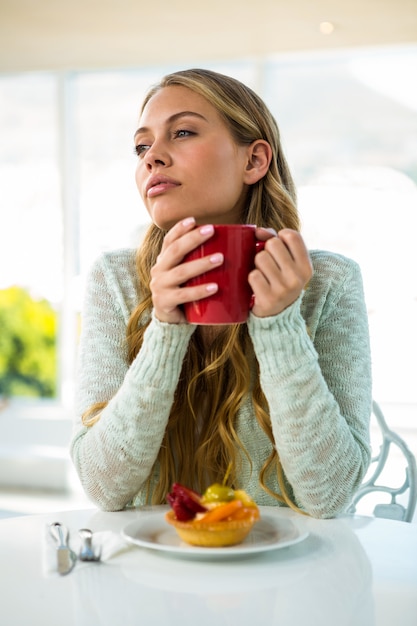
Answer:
(158, 185)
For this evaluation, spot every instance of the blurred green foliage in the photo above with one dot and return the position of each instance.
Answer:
(28, 359)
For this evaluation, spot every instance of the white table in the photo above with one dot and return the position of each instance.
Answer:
(351, 571)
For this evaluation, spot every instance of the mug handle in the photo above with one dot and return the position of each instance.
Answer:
(259, 246)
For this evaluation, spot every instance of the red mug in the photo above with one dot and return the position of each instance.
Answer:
(232, 302)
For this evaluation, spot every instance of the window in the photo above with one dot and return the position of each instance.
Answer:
(31, 233)
(349, 123)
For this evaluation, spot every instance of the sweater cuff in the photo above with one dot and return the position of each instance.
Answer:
(283, 338)
(163, 350)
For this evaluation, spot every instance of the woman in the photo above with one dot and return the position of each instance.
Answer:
(286, 398)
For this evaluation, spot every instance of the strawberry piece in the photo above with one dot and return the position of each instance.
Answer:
(189, 498)
(184, 502)
(182, 513)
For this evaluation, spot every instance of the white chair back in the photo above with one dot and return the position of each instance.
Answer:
(398, 508)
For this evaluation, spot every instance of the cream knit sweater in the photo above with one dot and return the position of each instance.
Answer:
(317, 383)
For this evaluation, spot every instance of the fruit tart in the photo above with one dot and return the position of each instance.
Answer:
(220, 517)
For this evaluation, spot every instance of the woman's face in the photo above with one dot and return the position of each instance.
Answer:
(188, 163)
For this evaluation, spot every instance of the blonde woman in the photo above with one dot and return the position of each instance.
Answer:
(285, 398)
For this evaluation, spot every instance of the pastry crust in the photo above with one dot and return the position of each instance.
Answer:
(213, 534)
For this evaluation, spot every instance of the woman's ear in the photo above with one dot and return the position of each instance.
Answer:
(259, 158)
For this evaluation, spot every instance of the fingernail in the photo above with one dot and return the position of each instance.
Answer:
(207, 230)
(188, 221)
(211, 287)
(216, 258)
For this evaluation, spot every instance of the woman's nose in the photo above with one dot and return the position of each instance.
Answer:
(156, 155)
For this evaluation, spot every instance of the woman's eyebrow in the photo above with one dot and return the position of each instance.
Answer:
(172, 118)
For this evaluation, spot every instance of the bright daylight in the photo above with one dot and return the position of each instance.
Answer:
(208, 353)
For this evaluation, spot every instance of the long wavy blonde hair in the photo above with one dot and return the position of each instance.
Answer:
(215, 380)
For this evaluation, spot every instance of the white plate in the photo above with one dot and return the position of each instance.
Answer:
(269, 533)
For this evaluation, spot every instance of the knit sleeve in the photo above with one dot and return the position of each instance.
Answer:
(114, 457)
(317, 381)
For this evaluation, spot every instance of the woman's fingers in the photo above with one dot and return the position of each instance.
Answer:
(181, 239)
(170, 273)
(177, 277)
(295, 245)
(263, 234)
(290, 252)
(283, 269)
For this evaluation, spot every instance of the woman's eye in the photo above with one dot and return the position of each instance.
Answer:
(140, 148)
(183, 133)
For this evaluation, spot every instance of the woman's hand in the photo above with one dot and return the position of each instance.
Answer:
(169, 272)
(282, 270)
